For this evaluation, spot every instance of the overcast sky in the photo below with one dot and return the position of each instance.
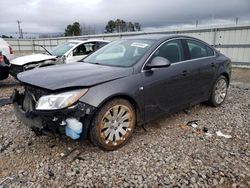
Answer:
(54, 15)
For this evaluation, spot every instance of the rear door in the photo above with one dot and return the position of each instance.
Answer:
(202, 57)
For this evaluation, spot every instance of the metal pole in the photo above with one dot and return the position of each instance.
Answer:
(19, 28)
(214, 37)
(19, 48)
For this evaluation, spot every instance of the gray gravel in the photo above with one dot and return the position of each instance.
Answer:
(165, 155)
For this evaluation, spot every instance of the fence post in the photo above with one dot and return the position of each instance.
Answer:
(19, 48)
(214, 36)
(33, 46)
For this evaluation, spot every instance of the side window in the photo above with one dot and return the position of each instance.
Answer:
(171, 50)
(198, 49)
(90, 47)
(79, 50)
(210, 52)
(84, 49)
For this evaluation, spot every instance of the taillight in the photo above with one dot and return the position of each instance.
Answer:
(11, 50)
(1, 59)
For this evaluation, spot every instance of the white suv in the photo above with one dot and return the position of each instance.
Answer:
(6, 54)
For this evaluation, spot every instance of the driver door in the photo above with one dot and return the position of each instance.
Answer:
(80, 52)
(167, 89)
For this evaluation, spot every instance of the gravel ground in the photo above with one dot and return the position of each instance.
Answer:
(164, 154)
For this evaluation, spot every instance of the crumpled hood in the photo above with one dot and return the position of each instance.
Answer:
(31, 58)
(72, 75)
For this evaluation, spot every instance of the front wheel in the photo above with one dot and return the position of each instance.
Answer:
(219, 92)
(113, 124)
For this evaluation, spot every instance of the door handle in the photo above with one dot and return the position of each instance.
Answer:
(212, 64)
(184, 73)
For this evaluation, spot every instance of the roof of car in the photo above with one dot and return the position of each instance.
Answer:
(157, 36)
(89, 40)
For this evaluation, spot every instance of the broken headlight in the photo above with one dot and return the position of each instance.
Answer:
(59, 101)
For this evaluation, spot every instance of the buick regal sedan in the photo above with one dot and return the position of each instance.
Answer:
(126, 83)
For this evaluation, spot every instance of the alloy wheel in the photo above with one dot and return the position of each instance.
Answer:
(116, 125)
(220, 91)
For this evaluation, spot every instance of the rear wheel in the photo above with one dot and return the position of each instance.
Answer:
(219, 92)
(113, 124)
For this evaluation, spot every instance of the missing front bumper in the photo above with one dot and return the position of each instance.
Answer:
(52, 121)
(35, 122)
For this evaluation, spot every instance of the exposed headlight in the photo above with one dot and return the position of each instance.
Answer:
(59, 101)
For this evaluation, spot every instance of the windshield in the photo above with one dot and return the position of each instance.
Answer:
(61, 49)
(123, 53)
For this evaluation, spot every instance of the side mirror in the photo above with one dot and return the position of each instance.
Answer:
(63, 59)
(158, 62)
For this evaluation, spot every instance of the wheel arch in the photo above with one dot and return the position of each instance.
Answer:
(129, 99)
(227, 76)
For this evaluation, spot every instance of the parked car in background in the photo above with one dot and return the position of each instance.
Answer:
(6, 54)
(67, 52)
(127, 82)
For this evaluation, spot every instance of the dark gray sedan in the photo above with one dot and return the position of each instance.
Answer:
(126, 83)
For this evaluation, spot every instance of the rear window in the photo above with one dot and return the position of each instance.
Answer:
(198, 49)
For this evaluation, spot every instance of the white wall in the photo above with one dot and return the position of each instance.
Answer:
(233, 41)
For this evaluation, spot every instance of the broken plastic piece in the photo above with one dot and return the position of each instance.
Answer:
(50, 172)
(193, 123)
(205, 129)
(219, 133)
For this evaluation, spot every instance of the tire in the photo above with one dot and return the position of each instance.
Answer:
(219, 92)
(113, 124)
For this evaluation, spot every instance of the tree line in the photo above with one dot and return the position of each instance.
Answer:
(112, 26)
(122, 26)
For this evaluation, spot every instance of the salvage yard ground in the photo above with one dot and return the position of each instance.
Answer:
(164, 154)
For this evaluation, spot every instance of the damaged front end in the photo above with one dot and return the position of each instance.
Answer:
(72, 121)
(16, 69)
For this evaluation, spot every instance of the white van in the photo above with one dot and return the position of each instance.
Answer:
(6, 49)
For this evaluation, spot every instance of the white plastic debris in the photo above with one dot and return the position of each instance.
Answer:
(208, 134)
(219, 133)
(194, 125)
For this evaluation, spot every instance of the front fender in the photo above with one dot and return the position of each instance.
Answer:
(127, 87)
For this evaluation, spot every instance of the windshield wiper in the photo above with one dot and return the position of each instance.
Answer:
(96, 63)
(43, 48)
